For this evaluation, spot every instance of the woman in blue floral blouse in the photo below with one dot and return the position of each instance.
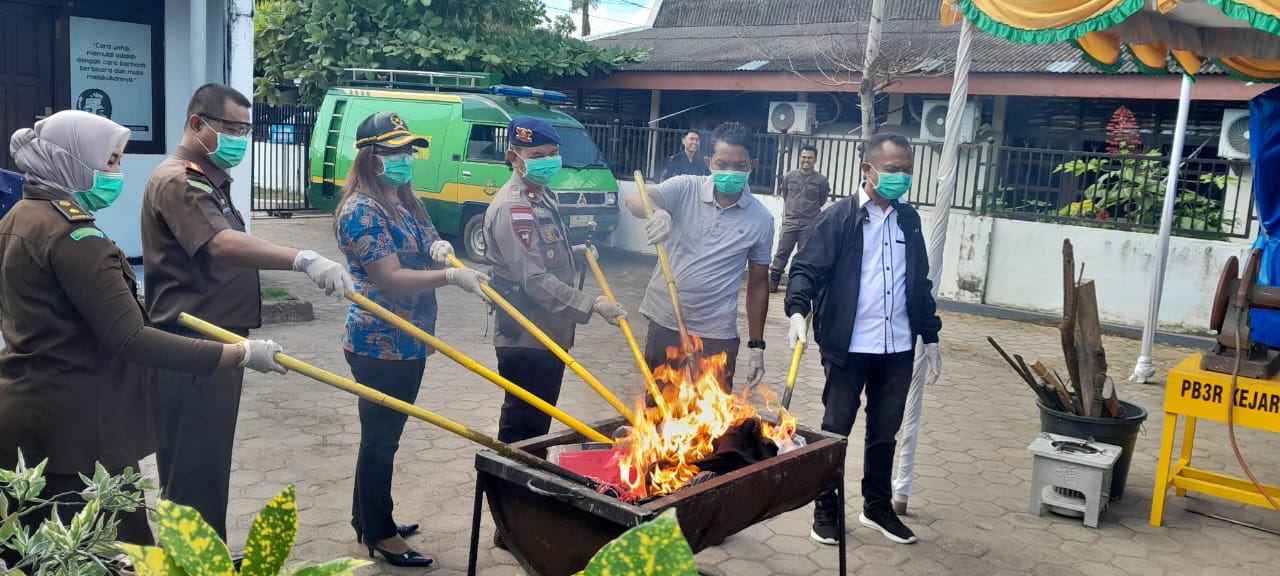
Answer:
(395, 256)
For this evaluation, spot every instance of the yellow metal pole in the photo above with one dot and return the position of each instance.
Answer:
(367, 393)
(664, 263)
(466, 362)
(649, 382)
(795, 368)
(552, 346)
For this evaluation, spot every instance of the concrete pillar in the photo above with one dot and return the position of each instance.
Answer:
(655, 112)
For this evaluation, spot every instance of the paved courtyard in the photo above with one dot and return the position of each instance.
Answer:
(969, 508)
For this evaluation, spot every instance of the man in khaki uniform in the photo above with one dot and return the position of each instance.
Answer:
(534, 268)
(198, 259)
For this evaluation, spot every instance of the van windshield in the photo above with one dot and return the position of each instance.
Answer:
(578, 150)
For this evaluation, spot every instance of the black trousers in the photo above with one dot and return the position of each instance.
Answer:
(788, 242)
(660, 339)
(132, 528)
(380, 430)
(886, 378)
(195, 421)
(540, 372)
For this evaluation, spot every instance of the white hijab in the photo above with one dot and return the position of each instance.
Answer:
(65, 148)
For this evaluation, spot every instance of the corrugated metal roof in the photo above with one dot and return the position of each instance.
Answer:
(918, 47)
(699, 13)
(819, 35)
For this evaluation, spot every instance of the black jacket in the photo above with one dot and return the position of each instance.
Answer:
(828, 269)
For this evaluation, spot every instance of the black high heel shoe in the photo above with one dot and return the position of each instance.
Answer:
(410, 559)
(404, 530)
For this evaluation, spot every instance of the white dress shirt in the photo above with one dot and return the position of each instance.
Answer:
(882, 325)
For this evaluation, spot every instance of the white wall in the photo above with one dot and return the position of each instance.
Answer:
(1018, 264)
(121, 220)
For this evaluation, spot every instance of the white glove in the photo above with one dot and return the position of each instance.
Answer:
(580, 252)
(260, 355)
(440, 251)
(798, 333)
(755, 367)
(931, 362)
(467, 279)
(330, 276)
(610, 311)
(658, 228)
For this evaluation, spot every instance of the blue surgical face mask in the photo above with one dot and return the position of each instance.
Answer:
(106, 188)
(541, 171)
(397, 170)
(892, 184)
(730, 181)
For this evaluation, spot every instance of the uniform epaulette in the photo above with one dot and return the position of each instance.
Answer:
(71, 211)
(192, 166)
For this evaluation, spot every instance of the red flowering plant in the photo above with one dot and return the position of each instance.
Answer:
(1128, 184)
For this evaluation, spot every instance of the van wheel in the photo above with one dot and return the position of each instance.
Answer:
(473, 238)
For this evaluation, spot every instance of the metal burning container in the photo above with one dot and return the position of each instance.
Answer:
(553, 526)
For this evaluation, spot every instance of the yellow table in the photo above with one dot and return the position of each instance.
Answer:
(1194, 394)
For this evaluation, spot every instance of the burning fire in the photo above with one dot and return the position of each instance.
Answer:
(660, 454)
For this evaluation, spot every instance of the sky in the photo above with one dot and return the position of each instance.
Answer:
(609, 15)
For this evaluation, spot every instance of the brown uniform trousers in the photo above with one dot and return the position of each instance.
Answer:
(534, 268)
(187, 202)
(72, 325)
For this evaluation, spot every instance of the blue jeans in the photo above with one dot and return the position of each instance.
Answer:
(380, 429)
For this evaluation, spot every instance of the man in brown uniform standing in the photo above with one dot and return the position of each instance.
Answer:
(805, 191)
(198, 259)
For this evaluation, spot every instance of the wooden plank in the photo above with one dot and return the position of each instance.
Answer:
(1114, 409)
(1026, 376)
(1060, 391)
(1069, 314)
(1091, 359)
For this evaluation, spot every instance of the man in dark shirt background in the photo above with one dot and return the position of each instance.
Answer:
(805, 191)
(688, 160)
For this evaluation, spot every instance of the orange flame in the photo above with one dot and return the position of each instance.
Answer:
(659, 455)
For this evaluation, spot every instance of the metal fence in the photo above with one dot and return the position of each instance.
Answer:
(1126, 192)
(281, 163)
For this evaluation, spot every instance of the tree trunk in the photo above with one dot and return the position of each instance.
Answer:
(586, 17)
(867, 87)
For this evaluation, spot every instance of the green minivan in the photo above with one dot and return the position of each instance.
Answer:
(465, 117)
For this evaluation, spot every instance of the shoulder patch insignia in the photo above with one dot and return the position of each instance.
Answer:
(81, 233)
(71, 211)
(521, 213)
(192, 166)
(200, 185)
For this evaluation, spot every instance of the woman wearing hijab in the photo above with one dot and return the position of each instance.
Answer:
(72, 323)
(390, 244)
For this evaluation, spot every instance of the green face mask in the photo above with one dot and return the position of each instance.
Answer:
(541, 171)
(106, 188)
(230, 151)
(730, 181)
(397, 170)
(893, 184)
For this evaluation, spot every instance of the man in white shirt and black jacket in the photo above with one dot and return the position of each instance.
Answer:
(864, 273)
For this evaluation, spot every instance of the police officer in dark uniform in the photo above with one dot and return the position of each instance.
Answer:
(534, 268)
(198, 259)
(72, 322)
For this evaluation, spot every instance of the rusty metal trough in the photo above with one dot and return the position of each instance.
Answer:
(553, 526)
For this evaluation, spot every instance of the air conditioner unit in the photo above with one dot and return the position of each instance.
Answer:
(1233, 140)
(790, 117)
(933, 121)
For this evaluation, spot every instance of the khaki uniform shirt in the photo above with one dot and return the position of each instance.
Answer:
(71, 323)
(533, 266)
(187, 202)
(805, 194)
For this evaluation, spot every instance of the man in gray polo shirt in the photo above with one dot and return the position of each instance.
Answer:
(713, 228)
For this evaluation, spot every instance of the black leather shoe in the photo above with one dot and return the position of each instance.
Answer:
(404, 530)
(498, 542)
(410, 559)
